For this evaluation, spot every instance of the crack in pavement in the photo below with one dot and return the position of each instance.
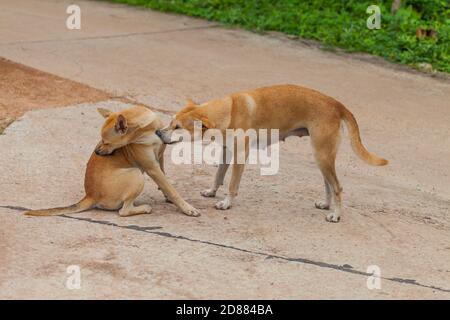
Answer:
(15, 208)
(343, 268)
(112, 36)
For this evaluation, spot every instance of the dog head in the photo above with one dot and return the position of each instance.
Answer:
(186, 119)
(125, 127)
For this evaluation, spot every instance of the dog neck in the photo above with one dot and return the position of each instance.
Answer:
(146, 137)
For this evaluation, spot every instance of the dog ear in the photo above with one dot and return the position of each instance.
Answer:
(144, 120)
(190, 103)
(105, 113)
(121, 124)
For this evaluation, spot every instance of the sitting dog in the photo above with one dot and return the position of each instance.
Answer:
(294, 111)
(114, 174)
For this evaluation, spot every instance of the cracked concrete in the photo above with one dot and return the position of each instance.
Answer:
(249, 251)
(343, 268)
(104, 37)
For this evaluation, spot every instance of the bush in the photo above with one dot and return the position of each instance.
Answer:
(337, 23)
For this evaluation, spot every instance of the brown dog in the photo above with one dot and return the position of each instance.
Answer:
(114, 178)
(294, 111)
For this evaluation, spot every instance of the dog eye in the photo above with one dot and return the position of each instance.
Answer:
(177, 127)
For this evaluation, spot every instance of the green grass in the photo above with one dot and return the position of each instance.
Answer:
(335, 23)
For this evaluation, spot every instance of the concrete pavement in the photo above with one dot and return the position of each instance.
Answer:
(280, 247)
(160, 59)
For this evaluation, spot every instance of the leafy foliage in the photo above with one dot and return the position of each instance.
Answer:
(336, 23)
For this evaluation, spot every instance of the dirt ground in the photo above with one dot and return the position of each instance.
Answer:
(273, 243)
(23, 89)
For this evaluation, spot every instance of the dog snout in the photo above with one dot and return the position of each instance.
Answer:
(100, 152)
(98, 149)
(162, 135)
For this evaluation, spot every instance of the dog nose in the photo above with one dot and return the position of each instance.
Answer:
(158, 133)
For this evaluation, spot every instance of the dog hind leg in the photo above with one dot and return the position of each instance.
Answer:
(328, 170)
(135, 188)
(128, 209)
(325, 150)
(325, 205)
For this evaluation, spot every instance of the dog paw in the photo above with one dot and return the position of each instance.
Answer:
(322, 205)
(333, 217)
(223, 205)
(191, 211)
(209, 193)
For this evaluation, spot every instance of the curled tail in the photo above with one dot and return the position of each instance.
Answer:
(85, 204)
(355, 140)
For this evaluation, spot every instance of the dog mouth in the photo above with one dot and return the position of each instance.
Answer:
(159, 135)
(172, 142)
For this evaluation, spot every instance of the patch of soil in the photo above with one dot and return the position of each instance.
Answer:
(23, 89)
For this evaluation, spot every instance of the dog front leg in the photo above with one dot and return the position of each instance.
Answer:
(220, 174)
(236, 175)
(158, 176)
(160, 157)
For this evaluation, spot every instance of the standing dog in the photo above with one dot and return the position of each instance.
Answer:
(114, 178)
(294, 111)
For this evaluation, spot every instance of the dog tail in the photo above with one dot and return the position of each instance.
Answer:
(355, 140)
(85, 204)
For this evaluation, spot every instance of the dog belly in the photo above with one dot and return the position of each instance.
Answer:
(299, 132)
